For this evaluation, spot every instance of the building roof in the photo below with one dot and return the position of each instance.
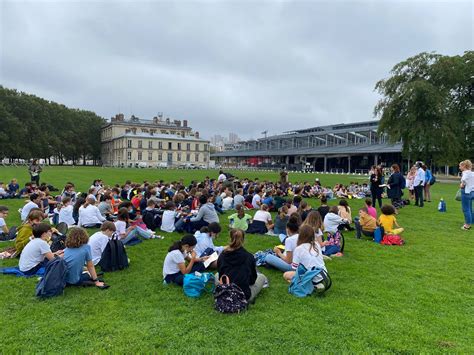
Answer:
(320, 150)
(161, 136)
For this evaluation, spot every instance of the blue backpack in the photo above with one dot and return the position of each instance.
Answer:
(302, 284)
(195, 284)
(378, 234)
(54, 280)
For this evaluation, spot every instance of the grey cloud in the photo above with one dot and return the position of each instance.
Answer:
(225, 66)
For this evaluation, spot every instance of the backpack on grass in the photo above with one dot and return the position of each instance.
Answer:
(302, 284)
(54, 280)
(114, 257)
(195, 284)
(389, 239)
(228, 297)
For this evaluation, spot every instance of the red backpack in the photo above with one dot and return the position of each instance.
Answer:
(392, 240)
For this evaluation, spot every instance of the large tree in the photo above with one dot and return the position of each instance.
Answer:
(428, 104)
(32, 127)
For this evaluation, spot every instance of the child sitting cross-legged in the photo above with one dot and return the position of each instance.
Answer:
(37, 252)
(307, 253)
(365, 224)
(76, 255)
(262, 221)
(240, 220)
(387, 220)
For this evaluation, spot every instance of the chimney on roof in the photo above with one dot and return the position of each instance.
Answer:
(155, 120)
(177, 123)
(196, 135)
(167, 120)
(185, 123)
(120, 117)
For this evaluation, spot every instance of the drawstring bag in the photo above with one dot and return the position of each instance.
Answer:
(195, 284)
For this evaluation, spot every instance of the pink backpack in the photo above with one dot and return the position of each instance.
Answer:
(392, 240)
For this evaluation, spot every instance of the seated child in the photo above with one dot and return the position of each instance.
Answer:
(345, 212)
(365, 224)
(65, 212)
(99, 240)
(205, 244)
(37, 252)
(240, 220)
(307, 252)
(3, 192)
(370, 209)
(281, 220)
(14, 188)
(228, 201)
(5, 232)
(128, 232)
(387, 220)
(25, 231)
(332, 220)
(174, 266)
(168, 219)
(282, 260)
(76, 255)
(262, 221)
(239, 265)
(152, 216)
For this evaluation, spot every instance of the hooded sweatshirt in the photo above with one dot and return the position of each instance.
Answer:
(207, 213)
(331, 222)
(25, 231)
(239, 266)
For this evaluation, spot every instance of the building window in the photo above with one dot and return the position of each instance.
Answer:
(205, 158)
(139, 144)
(160, 145)
(196, 157)
(160, 156)
(188, 146)
(170, 157)
(129, 155)
(150, 145)
(179, 157)
(205, 147)
(170, 146)
(197, 147)
(139, 155)
(179, 146)
(188, 157)
(150, 155)
(129, 143)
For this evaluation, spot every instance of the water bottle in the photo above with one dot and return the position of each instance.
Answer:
(442, 205)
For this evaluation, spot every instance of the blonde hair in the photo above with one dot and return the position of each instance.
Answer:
(467, 164)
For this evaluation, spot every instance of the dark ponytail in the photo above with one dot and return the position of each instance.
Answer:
(188, 239)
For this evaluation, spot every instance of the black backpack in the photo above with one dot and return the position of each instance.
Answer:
(54, 280)
(228, 297)
(114, 257)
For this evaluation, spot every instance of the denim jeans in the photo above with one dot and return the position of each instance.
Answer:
(135, 233)
(419, 196)
(360, 231)
(466, 203)
(277, 263)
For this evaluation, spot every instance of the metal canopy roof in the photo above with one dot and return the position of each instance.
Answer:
(321, 150)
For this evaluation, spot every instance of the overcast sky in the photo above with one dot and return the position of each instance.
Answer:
(240, 66)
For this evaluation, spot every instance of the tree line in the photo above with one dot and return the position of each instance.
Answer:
(32, 127)
(428, 103)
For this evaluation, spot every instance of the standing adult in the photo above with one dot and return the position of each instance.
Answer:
(375, 182)
(467, 193)
(419, 183)
(395, 186)
(428, 178)
(35, 169)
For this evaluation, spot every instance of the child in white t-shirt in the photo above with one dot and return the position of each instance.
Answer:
(4, 231)
(307, 253)
(174, 266)
(65, 212)
(168, 219)
(227, 201)
(99, 240)
(37, 252)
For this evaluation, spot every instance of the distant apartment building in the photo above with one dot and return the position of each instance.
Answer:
(157, 142)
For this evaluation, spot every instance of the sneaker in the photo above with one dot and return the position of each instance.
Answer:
(465, 228)
(320, 287)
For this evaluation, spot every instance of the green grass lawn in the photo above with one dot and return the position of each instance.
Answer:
(415, 298)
